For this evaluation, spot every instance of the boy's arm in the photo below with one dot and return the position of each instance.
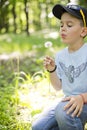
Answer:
(55, 81)
(50, 66)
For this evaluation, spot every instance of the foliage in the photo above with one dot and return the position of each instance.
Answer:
(21, 97)
(83, 3)
(25, 15)
(28, 16)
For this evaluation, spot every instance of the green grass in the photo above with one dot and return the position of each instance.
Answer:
(23, 43)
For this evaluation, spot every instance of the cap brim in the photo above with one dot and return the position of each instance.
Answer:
(58, 10)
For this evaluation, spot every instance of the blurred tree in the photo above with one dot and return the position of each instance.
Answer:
(4, 24)
(27, 15)
(13, 2)
(83, 2)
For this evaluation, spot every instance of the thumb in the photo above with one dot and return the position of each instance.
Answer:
(66, 99)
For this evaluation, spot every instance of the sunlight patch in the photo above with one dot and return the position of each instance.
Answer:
(53, 35)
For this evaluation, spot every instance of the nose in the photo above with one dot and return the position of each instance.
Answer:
(63, 28)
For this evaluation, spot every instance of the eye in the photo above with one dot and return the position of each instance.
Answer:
(61, 25)
(69, 25)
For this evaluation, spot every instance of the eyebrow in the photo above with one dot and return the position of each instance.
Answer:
(67, 21)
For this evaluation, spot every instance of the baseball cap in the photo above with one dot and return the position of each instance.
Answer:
(75, 10)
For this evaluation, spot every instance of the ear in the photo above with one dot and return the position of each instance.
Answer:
(84, 32)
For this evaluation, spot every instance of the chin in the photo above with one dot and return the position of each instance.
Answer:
(65, 41)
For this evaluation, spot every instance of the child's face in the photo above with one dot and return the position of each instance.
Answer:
(71, 30)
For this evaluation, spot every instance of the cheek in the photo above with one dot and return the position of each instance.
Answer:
(74, 32)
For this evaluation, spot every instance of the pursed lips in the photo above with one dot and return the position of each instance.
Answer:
(63, 35)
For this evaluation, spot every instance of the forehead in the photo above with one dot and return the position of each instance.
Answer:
(68, 17)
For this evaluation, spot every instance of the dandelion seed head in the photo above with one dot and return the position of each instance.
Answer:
(48, 44)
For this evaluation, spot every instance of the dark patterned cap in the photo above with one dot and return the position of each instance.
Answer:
(75, 10)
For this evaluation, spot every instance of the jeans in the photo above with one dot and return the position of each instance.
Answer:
(56, 119)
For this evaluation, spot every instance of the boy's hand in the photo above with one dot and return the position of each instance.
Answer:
(49, 63)
(74, 105)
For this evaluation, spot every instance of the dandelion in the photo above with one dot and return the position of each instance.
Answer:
(48, 44)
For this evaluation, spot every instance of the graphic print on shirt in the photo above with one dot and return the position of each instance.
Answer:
(71, 72)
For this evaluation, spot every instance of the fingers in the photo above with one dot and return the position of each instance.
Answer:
(66, 99)
(48, 60)
(69, 103)
(80, 110)
(48, 63)
(71, 108)
(74, 106)
(77, 111)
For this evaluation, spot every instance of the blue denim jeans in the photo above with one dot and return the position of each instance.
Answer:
(56, 119)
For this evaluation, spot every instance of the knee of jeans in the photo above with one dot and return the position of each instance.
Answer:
(35, 127)
(60, 113)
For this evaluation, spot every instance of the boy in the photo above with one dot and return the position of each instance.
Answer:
(69, 72)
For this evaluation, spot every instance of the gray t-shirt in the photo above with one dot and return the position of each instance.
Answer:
(72, 70)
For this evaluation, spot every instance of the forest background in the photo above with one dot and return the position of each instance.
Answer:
(28, 32)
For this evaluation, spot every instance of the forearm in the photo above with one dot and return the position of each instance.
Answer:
(50, 66)
(55, 81)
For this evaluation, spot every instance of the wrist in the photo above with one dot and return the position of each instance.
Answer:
(51, 71)
(83, 99)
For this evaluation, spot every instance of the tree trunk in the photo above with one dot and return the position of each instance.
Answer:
(14, 17)
(7, 19)
(68, 1)
(4, 16)
(27, 18)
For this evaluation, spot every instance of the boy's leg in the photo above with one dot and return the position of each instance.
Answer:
(66, 122)
(46, 121)
(83, 115)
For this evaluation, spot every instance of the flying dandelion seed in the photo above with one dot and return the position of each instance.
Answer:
(48, 44)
